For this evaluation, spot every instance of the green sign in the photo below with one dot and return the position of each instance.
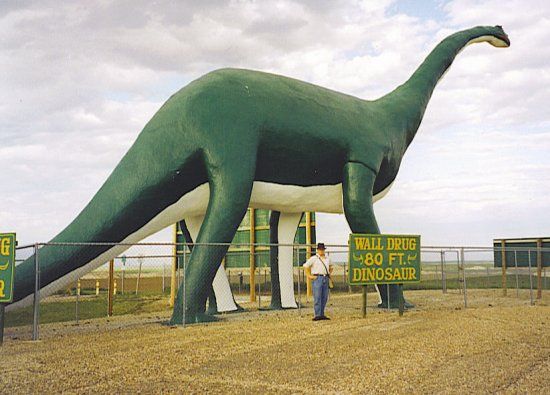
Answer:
(383, 259)
(7, 266)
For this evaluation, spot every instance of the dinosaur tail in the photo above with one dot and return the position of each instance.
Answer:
(144, 194)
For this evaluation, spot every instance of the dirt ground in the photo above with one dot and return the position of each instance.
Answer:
(496, 345)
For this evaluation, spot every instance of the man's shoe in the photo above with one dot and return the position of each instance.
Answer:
(317, 318)
(324, 317)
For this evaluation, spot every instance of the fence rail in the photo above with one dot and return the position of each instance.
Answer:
(143, 277)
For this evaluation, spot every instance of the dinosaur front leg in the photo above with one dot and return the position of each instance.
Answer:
(358, 183)
(230, 189)
(220, 297)
(212, 305)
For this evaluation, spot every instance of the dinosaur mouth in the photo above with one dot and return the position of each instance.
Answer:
(504, 38)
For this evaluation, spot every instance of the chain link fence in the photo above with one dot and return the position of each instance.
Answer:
(139, 285)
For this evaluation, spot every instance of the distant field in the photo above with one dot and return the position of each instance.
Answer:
(479, 273)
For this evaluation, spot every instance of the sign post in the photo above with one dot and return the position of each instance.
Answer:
(383, 259)
(7, 271)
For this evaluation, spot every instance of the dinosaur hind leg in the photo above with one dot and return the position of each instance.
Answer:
(283, 227)
(230, 190)
(274, 260)
(288, 225)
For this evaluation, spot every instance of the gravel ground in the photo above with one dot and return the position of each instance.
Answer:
(496, 345)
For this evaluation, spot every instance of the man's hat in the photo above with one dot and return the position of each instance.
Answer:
(321, 246)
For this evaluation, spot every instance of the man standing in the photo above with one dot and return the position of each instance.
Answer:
(318, 269)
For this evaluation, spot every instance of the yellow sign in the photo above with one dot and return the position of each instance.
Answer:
(383, 259)
(7, 266)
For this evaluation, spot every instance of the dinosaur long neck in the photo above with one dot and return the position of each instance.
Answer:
(410, 100)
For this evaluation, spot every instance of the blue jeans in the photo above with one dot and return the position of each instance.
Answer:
(320, 295)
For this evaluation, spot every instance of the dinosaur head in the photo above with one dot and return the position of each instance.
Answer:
(494, 35)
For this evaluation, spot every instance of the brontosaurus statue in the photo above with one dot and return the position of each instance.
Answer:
(238, 138)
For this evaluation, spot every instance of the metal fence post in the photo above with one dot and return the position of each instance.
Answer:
(240, 282)
(110, 294)
(163, 275)
(443, 274)
(36, 302)
(516, 270)
(140, 260)
(345, 276)
(539, 268)
(229, 279)
(77, 299)
(184, 280)
(299, 285)
(530, 281)
(458, 268)
(259, 288)
(503, 265)
(464, 277)
(179, 265)
(123, 272)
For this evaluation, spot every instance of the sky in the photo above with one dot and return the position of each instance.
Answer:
(81, 79)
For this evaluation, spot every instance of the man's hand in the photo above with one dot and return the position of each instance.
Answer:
(309, 275)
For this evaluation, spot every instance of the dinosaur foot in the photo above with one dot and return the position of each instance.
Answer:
(239, 309)
(273, 306)
(279, 306)
(193, 319)
(214, 310)
(393, 305)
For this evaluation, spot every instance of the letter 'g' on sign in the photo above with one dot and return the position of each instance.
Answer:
(5, 245)
(2, 286)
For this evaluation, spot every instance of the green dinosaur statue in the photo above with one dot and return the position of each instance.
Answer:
(235, 138)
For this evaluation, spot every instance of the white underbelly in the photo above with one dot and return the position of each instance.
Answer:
(284, 198)
(297, 199)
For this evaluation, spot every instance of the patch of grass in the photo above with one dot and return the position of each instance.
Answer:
(63, 309)
(473, 282)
